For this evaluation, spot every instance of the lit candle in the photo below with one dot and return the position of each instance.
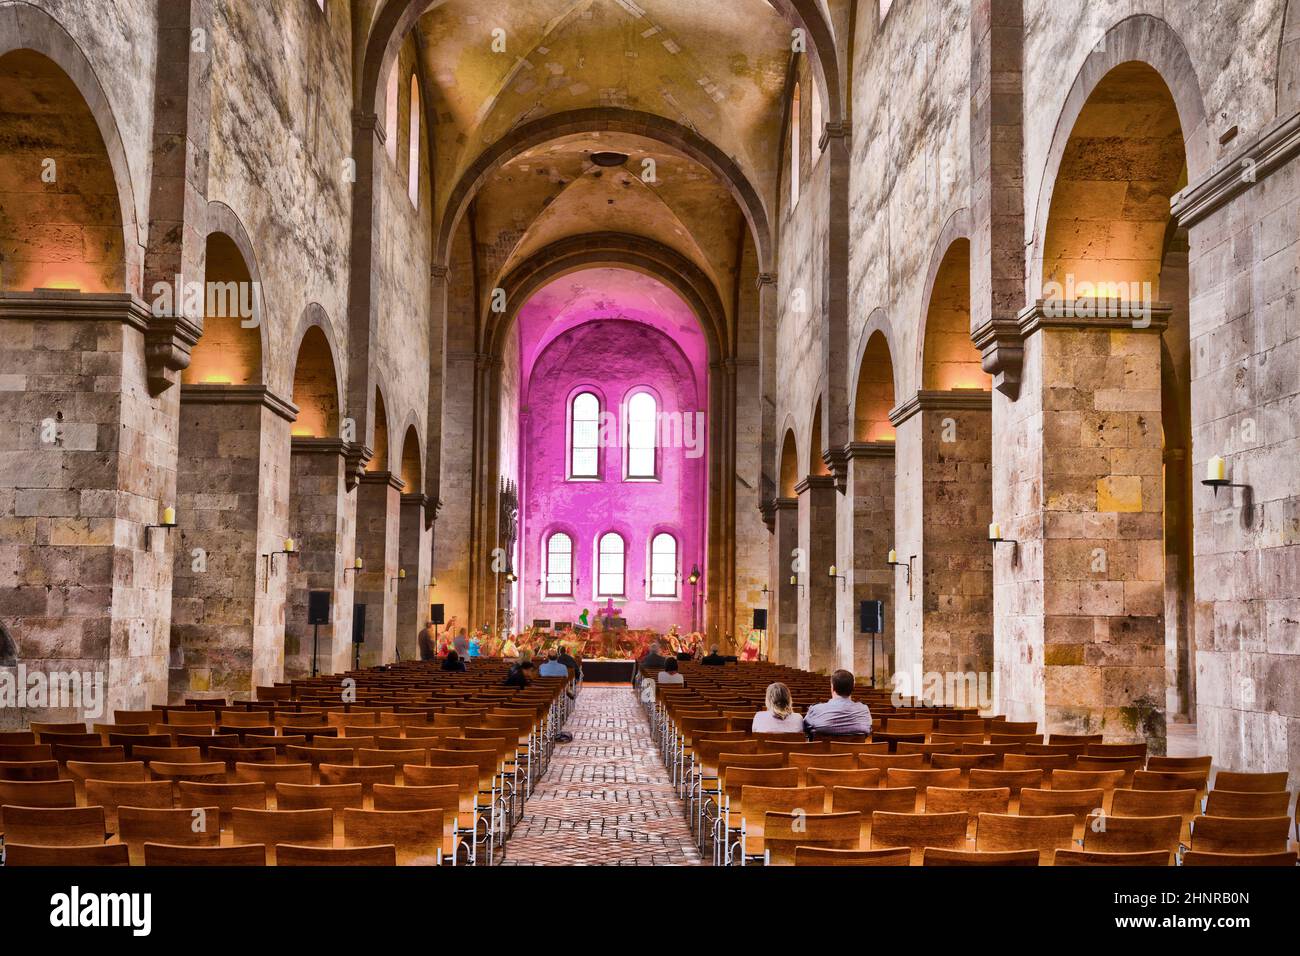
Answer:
(288, 545)
(358, 564)
(169, 517)
(793, 579)
(893, 556)
(832, 571)
(995, 532)
(401, 573)
(1216, 469)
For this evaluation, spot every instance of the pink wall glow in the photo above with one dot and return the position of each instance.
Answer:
(610, 334)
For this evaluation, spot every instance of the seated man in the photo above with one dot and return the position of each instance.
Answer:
(713, 658)
(652, 659)
(552, 666)
(841, 715)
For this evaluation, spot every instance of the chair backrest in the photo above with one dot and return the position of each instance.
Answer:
(1133, 834)
(273, 773)
(120, 770)
(1230, 803)
(1205, 858)
(1012, 727)
(822, 856)
(911, 777)
(289, 855)
(269, 827)
(824, 761)
(1179, 763)
(1013, 780)
(111, 794)
(1117, 750)
(918, 831)
(192, 718)
(1155, 803)
(37, 793)
(88, 753)
(149, 754)
(830, 779)
(55, 826)
(1104, 780)
(445, 798)
(784, 832)
(417, 834)
(964, 762)
(247, 795)
(844, 747)
(110, 854)
(465, 778)
(166, 770)
(973, 802)
(939, 856)
(306, 796)
(1250, 782)
(999, 831)
(1043, 803)
(392, 758)
(963, 727)
(1043, 762)
(159, 854)
(198, 826)
(1106, 858)
(1084, 739)
(366, 776)
(739, 777)
(908, 725)
(1197, 780)
(1239, 834)
(884, 762)
(728, 760)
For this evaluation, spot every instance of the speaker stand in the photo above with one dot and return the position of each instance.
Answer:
(315, 647)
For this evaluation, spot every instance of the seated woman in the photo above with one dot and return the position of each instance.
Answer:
(670, 674)
(779, 718)
(452, 662)
(521, 672)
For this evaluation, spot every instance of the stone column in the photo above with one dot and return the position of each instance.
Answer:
(817, 542)
(232, 495)
(783, 619)
(87, 463)
(1083, 596)
(866, 533)
(321, 520)
(415, 550)
(378, 517)
(953, 501)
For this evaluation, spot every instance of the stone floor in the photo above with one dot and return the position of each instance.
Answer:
(605, 799)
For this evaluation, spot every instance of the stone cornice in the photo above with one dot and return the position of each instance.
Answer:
(414, 498)
(1002, 351)
(809, 482)
(1259, 158)
(946, 400)
(365, 120)
(357, 456)
(869, 449)
(382, 478)
(307, 445)
(838, 463)
(239, 395)
(764, 278)
(785, 504)
(833, 131)
(1088, 314)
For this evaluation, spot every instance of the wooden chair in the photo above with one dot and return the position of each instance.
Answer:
(366, 776)
(821, 856)
(755, 803)
(941, 737)
(1044, 762)
(418, 835)
(1236, 834)
(996, 831)
(1250, 782)
(822, 761)
(994, 726)
(1205, 858)
(125, 770)
(29, 770)
(212, 772)
(112, 794)
(1104, 780)
(231, 756)
(937, 856)
(1117, 750)
(1156, 803)
(1197, 780)
(16, 737)
(168, 754)
(1230, 803)
(867, 800)
(1014, 780)
(844, 747)
(227, 797)
(157, 854)
(1045, 803)
(921, 779)
(55, 826)
(288, 855)
(1106, 858)
(110, 854)
(971, 802)
(965, 762)
(36, 793)
(830, 779)
(908, 725)
(200, 826)
(271, 774)
(270, 827)
(1179, 763)
(88, 753)
(918, 831)
(887, 762)
(443, 798)
(1129, 765)
(1084, 739)
(783, 833)
(306, 796)
(1116, 834)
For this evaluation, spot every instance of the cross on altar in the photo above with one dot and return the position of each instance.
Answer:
(608, 612)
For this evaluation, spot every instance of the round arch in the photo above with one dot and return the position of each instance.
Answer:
(787, 464)
(956, 228)
(877, 322)
(35, 30)
(1141, 39)
(411, 459)
(314, 316)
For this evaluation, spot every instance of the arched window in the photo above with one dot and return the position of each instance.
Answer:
(584, 436)
(609, 566)
(559, 565)
(795, 137)
(642, 422)
(390, 115)
(815, 123)
(413, 153)
(663, 565)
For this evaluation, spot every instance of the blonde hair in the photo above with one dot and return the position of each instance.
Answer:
(778, 700)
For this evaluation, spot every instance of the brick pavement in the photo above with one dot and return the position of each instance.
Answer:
(606, 798)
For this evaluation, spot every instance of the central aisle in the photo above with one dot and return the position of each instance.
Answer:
(606, 798)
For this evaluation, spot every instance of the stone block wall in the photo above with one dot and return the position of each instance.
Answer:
(377, 536)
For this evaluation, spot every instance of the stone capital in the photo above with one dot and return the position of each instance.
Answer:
(1003, 353)
(811, 482)
(837, 460)
(307, 445)
(832, 131)
(357, 456)
(382, 478)
(365, 120)
(764, 278)
(941, 400)
(862, 450)
(202, 394)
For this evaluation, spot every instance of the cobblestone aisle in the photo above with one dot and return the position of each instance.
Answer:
(606, 798)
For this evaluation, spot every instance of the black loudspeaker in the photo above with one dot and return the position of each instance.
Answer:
(872, 617)
(760, 619)
(318, 607)
(358, 624)
(435, 614)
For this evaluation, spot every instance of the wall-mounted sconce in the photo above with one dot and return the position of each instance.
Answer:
(843, 578)
(289, 549)
(357, 566)
(1216, 475)
(168, 520)
(892, 560)
(995, 535)
(401, 576)
(794, 582)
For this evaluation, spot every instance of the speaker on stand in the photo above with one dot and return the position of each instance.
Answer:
(318, 613)
(358, 634)
(436, 618)
(871, 620)
(760, 625)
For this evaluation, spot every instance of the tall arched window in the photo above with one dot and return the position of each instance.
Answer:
(584, 436)
(795, 138)
(390, 115)
(642, 437)
(559, 565)
(413, 153)
(663, 565)
(815, 123)
(609, 566)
